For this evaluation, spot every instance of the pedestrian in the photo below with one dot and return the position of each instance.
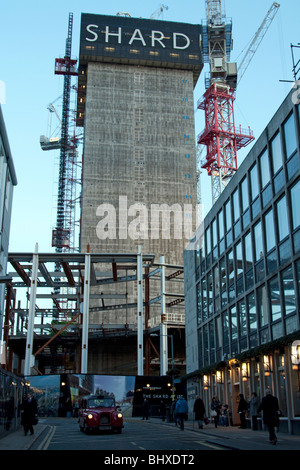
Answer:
(270, 408)
(173, 414)
(199, 410)
(242, 409)
(181, 410)
(29, 414)
(224, 416)
(215, 409)
(253, 413)
(146, 406)
(162, 410)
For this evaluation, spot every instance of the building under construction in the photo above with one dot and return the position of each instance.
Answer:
(120, 312)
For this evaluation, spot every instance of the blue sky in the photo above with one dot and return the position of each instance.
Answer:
(33, 34)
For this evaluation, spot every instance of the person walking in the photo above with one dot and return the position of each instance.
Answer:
(242, 408)
(199, 410)
(181, 410)
(270, 408)
(146, 409)
(215, 410)
(253, 413)
(29, 414)
(162, 410)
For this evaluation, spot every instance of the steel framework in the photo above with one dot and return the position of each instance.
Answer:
(65, 67)
(220, 136)
(82, 271)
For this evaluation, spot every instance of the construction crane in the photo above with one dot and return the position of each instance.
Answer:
(67, 68)
(158, 12)
(258, 37)
(221, 137)
(67, 145)
(51, 143)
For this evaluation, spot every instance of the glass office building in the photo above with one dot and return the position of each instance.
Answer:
(7, 182)
(242, 278)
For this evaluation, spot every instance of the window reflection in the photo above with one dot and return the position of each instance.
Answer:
(295, 193)
(234, 325)
(236, 206)
(269, 230)
(276, 153)
(275, 298)
(254, 182)
(262, 305)
(264, 169)
(242, 318)
(290, 136)
(252, 314)
(283, 228)
(245, 197)
(288, 291)
(258, 242)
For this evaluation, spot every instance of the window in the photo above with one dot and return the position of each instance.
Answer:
(283, 226)
(252, 314)
(295, 196)
(245, 197)
(208, 242)
(264, 169)
(228, 215)
(239, 259)
(248, 250)
(258, 242)
(221, 224)
(288, 291)
(275, 299)
(254, 182)
(204, 299)
(269, 230)
(214, 233)
(236, 206)
(262, 305)
(225, 329)
(242, 318)
(234, 325)
(230, 266)
(223, 277)
(290, 136)
(276, 153)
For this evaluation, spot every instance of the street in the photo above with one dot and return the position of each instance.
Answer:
(138, 435)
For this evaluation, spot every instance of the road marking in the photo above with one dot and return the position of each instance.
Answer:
(203, 443)
(135, 444)
(45, 443)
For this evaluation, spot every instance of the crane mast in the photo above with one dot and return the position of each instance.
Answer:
(220, 136)
(258, 37)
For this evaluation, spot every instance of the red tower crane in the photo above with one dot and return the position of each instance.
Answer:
(221, 136)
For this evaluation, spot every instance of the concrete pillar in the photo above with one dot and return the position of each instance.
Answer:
(29, 358)
(163, 326)
(140, 333)
(85, 314)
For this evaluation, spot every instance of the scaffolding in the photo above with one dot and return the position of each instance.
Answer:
(37, 336)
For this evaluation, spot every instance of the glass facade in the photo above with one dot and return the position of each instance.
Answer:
(251, 285)
(7, 181)
(255, 260)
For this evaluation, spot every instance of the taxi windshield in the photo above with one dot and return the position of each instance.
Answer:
(101, 402)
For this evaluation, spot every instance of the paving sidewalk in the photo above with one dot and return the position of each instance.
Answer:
(232, 437)
(16, 440)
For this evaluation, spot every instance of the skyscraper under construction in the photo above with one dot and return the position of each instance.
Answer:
(136, 104)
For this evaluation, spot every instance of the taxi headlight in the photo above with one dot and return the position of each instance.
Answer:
(120, 415)
(90, 416)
